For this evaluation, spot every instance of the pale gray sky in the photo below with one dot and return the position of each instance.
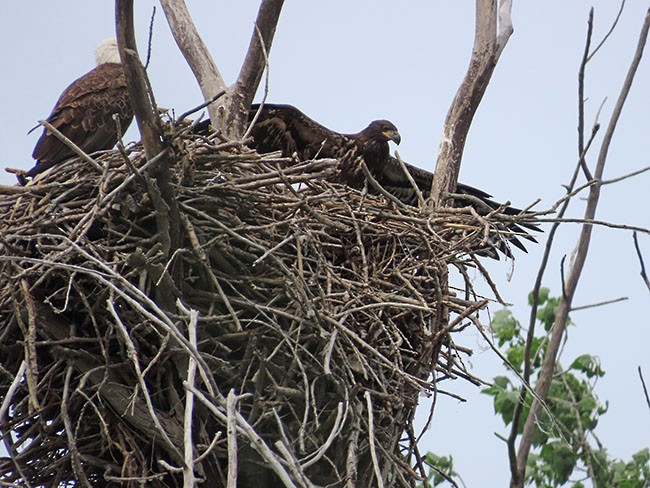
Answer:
(345, 63)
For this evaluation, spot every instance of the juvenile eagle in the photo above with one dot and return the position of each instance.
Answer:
(285, 128)
(84, 111)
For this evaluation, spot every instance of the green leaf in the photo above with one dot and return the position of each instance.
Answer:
(444, 464)
(588, 364)
(542, 296)
(516, 356)
(561, 458)
(500, 383)
(573, 407)
(505, 327)
(546, 314)
(504, 404)
(642, 457)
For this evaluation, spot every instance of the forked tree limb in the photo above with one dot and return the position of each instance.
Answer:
(559, 326)
(231, 113)
(194, 51)
(488, 45)
(235, 116)
(142, 100)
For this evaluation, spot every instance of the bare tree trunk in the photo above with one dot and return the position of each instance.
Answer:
(231, 113)
(487, 49)
(194, 51)
(142, 99)
(235, 116)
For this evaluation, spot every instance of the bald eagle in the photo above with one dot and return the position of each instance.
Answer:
(285, 128)
(84, 111)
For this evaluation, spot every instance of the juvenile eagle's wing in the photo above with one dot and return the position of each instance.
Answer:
(393, 180)
(285, 128)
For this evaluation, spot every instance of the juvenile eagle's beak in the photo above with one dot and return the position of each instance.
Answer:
(393, 135)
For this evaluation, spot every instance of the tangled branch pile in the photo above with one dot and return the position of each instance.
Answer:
(305, 320)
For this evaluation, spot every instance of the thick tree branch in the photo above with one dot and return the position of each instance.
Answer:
(234, 118)
(559, 326)
(142, 100)
(231, 113)
(136, 80)
(488, 45)
(194, 51)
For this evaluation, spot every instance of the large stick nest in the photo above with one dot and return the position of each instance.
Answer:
(321, 314)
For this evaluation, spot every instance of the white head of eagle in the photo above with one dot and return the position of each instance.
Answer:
(107, 52)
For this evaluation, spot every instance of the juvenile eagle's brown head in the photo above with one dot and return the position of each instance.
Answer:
(382, 130)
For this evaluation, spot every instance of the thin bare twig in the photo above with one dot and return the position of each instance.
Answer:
(231, 433)
(637, 248)
(77, 150)
(266, 84)
(599, 304)
(645, 389)
(625, 177)
(150, 38)
(189, 480)
(371, 441)
(609, 32)
(201, 106)
(411, 181)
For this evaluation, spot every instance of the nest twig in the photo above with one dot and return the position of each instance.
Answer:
(318, 313)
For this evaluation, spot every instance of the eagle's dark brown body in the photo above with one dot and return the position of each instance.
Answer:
(84, 114)
(285, 128)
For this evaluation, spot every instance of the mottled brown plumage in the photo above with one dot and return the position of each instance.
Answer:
(84, 114)
(393, 180)
(285, 128)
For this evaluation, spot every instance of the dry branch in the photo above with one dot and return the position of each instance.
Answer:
(639, 254)
(194, 51)
(235, 120)
(137, 82)
(146, 114)
(230, 115)
(488, 45)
